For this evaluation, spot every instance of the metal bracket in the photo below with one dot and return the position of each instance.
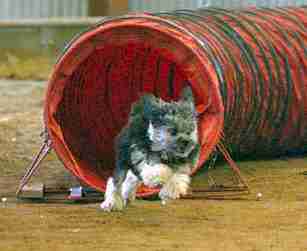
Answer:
(38, 158)
(76, 193)
(243, 184)
(216, 191)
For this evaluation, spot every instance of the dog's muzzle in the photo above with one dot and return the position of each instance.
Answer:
(183, 148)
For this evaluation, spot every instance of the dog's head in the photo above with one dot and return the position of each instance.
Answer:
(172, 126)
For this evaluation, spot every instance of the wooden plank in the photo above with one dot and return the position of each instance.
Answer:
(108, 7)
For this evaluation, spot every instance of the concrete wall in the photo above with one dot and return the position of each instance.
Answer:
(46, 36)
(34, 9)
(50, 35)
(20, 9)
(166, 5)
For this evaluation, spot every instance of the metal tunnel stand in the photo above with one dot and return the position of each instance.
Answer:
(214, 192)
(220, 191)
(35, 164)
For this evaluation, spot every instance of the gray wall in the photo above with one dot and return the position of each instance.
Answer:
(258, 3)
(20, 9)
(164, 5)
(52, 35)
(161, 5)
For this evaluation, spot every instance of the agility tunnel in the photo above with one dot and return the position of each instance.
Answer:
(247, 69)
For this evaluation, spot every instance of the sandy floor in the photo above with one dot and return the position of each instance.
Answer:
(276, 222)
(19, 64)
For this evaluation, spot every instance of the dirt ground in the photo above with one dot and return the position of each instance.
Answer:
(278, 221)
(21, 64)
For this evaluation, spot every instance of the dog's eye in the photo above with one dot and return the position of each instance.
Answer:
(172, 131)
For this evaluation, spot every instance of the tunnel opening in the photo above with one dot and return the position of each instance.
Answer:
(104, 72)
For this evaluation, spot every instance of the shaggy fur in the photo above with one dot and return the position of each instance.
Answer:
(158, 147)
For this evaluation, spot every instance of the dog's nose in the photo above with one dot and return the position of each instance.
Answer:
(183, 143)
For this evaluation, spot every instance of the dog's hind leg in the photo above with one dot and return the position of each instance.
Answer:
(129, 187)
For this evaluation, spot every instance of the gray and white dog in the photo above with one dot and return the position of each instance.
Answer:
(158, 148)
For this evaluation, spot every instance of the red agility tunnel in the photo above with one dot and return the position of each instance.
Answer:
(247, 69)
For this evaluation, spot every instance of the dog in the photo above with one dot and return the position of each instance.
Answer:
(158, 147)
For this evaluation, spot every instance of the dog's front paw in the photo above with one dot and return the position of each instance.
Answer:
(113, 203)
(176, 186)
(107, 205)
(169, 193)
(112, 198)
(129, 187)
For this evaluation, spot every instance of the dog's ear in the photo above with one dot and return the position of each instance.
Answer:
(150, 103)
(149, 100)
(187, 95)
(142, 106)
(187, 99)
